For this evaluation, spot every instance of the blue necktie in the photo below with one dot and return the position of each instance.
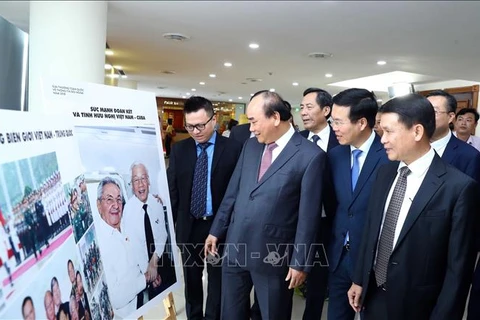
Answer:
(356, 167)
(315, 139)
(198, 203)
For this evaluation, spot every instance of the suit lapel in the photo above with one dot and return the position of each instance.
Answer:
(373, 157)
(450, 150)
(190, 156)
(430, 185)
(344, 170)
(332, 141)
(287, 153)
(385, 184)
(217, 151)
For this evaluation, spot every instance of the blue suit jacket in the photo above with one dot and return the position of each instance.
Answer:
(261, 220)
(351, 206)
(463, 156)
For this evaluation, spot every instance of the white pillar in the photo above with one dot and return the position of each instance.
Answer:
(130, 84)
(67, 40)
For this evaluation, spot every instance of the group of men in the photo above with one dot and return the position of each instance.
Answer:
(385, 223)
(132, 239)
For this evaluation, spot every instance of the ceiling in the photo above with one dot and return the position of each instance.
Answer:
(422, 42)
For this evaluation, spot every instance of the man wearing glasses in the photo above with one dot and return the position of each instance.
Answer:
(125, 278)
(144, 223)
(198, 175)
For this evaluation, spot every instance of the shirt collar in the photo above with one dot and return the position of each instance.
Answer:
(283, 140)
(366, 145)
(324, 134)
(442, 142)
(421, 165)
(212, 139)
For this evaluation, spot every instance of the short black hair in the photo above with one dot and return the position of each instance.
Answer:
(195, 103)
(468, 110)
(27, 298)
(362, 104)
(451, 101)
(54, 280)
(323, 99)
(273, 102)
(412, 109)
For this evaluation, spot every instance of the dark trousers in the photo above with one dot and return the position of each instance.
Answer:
(339, 283)
(474, 300)
(274, 297)
(193, 265)
(168, 144)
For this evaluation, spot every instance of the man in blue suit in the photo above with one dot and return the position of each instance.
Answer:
(315, 109)
(353, 165)
(270, 214)
(451, 149)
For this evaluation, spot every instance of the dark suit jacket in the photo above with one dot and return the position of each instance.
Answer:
(463, 156)
(351, 207)
(270, 215)
(240, 133)
(182, 162)
(432, 262)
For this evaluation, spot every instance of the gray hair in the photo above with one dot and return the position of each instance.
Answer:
(138, 164)
(103, 183)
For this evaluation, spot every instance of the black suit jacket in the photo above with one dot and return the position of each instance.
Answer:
(431, 265)
(463, 156)
(180, 172)
(240, 133)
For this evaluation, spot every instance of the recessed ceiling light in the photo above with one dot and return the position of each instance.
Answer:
(118, 67)
(230, 100)
(228, 64)
(240, 98)
(108, 52)
(251, 94)
(108, 66)
(328, 75)
(183, 97)
(272, 90)
(188, 93)
(381, 63)
(202, 83)
(124, 76)
(254, 46)
(212, 75)
(295, 84)
(193, 89)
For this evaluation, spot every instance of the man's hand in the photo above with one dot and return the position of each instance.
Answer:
(152, 271)
(295, 277)
(211, 245)
(157, 282)
(354, 295)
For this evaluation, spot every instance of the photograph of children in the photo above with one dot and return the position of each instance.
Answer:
(33, 218)
(91, 263)
(79, 209)
(48, 295)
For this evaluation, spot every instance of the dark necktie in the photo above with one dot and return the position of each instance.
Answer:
(355, 167)
(148, 233)
(198, 203)
(266, 159)
(315, 139)
(385, 245)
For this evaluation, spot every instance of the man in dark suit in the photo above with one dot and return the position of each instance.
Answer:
(353, 166)
(195, 199)
(417, 253)
(270, 214)
(315, 110)
(241, 133)
(451, 149)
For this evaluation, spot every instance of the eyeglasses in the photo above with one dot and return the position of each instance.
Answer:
(111, 200)
(437, 112)
(337, 123)
(199, 127)
(143, 179)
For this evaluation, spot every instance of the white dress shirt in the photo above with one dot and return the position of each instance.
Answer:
(441, 144)
(324, 136)
(281, 143)
(124, 277)
(418, 170)
(134, 228)
(365, 147)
